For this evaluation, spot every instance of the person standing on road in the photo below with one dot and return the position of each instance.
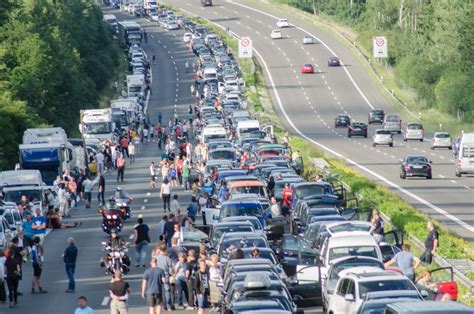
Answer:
(186, 66)
(36, 262)
(377, 226)
(169, 229)
(69, 258)
(83, 308)
(406, 261)
(39, 224)
(28, 231)
(193, 208)
(119, 291)
(101, 191)
(275, 207)
(100, 159)
(131, 152)
(186, 172)
(164, 262)
(153, 58)
(201, 286)
(124, 146)
(165, 194)
(120, 167)
(161, 227)
(142, 238)
(87, 186)
(152, 169)
(431, 243)
(175, 206)
(152, 287)
(13, 272)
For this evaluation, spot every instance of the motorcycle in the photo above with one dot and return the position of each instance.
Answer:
(111, 218)
(116, 259)
(123, 202)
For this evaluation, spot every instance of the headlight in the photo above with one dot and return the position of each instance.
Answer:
(114, 216)
(108, 217)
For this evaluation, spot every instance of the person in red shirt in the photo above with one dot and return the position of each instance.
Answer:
(286, 202)
(124, 145)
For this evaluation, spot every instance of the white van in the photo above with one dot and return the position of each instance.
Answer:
(247, 126)
(465, 157)
(210, 73)
(16, 183)
(213, 133)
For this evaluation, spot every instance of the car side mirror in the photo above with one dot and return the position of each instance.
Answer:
(349, 297)
(424, 293)
(297, 298)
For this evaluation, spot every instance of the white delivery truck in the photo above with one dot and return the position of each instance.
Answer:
(129, 105)
(49, 151)
(96, 126)
(465, 157)
(136, 85)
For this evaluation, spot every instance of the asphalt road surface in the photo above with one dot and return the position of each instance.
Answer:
(170, 87)
(308, 104)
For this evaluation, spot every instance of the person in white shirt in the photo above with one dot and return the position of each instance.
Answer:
(152, 169)
(275, 207)
(99, 158)
(62, 199)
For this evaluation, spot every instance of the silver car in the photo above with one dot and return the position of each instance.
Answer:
(393, 123)
(382, 137)
(307, 40)
(413, 131)
(441, 140)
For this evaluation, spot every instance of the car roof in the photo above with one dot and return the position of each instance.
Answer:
(387, 295)
(233, 223)
(430, 307)
(365, 274)
(351, 238)
(356, 257)
(303, 184)
(359, 270)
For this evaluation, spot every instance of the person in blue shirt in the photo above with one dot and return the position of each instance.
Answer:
(83, 307)
(267, 215)
(39, 224)
(223, 192)
(193, 208)
(70, 257)
(28, 232)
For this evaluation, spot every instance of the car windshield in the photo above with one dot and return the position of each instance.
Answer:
(222, 154)
(218, 232)
(337, 268)
(349, 227)
(307, 190)
(229, 210)
(442, 135)
(384, 285)
(358, 125)
(263, 254)
(343, 118)
(377, 112)
(338, 252)
(417, 160)
(98, 128)
(249, 190)
(393, 119)
(291, 243)
(415, 127)
(15, 196)
(229, 245)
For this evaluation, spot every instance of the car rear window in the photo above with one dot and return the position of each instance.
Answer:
(393, 119)
(384, 285)
(417, 160)
(337, 252)
(307, 190)
(415, 126)
(442, 135)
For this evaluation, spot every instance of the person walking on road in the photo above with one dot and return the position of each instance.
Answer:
(124, 146)
(131, 152)
(201, 286)
(87, 186)
(153, 58)
(83, 308)
(142, 238)
(406, 261)
(431, 243)
(69, 258)
(119, 291)
(13, 272)
(165, 194)
(36, 262)
(377, 226)
(175, 207)
(120, 167)
(152, 287)
(186, 66)
(101, 190)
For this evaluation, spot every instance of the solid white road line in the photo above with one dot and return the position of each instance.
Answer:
(105, 301)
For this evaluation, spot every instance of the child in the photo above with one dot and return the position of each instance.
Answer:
(173, 176)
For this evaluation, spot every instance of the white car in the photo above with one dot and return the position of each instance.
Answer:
(413, 131)
(283, 23)
(308, 40)
(172, 25)
(441, 140)
(382, 137)
(154, 17)
(187, 37)
(354, 284)
(276, 34)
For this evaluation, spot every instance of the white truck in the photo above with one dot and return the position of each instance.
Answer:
(18, 183)
(465, 156)
(136, 85)
(96, 126)
(128, 105)
(48, 150)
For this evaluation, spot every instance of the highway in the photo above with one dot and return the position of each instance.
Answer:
(170, 87)
(308, 104)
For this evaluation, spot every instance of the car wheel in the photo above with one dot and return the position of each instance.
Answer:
(391, 144)
(399, 132)
(402, 176)
(373, 145)
(429, 177)
(458, 174)
(450, 148)
(365, 136)
(404, 139)
(421, 140)
(349, 136)
(432, 147)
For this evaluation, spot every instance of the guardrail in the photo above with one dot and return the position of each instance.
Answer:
(442, 262)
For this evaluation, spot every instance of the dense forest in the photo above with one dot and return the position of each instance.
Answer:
(431, 44)
(55, 58)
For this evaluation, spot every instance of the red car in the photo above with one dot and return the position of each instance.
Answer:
(307, 68)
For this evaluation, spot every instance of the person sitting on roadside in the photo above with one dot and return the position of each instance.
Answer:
(54, 221)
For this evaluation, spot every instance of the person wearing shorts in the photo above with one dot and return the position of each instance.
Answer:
(152, 287)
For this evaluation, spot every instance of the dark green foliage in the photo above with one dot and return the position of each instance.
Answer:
(55, 58)
(431, 44)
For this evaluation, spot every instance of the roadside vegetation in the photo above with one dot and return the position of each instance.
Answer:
(56, 58)
(430, 43)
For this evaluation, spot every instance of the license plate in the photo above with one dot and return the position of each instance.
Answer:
(417, 167)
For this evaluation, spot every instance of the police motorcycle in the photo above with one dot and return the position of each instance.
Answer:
(111, 216)
(116, 258)
(124, 202)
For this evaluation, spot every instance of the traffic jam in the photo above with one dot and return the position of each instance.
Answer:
(285, 243)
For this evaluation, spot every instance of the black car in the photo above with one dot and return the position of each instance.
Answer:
(376, 116)
(415, 166)
(334, 62)
(357, 129)
(342, 120)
